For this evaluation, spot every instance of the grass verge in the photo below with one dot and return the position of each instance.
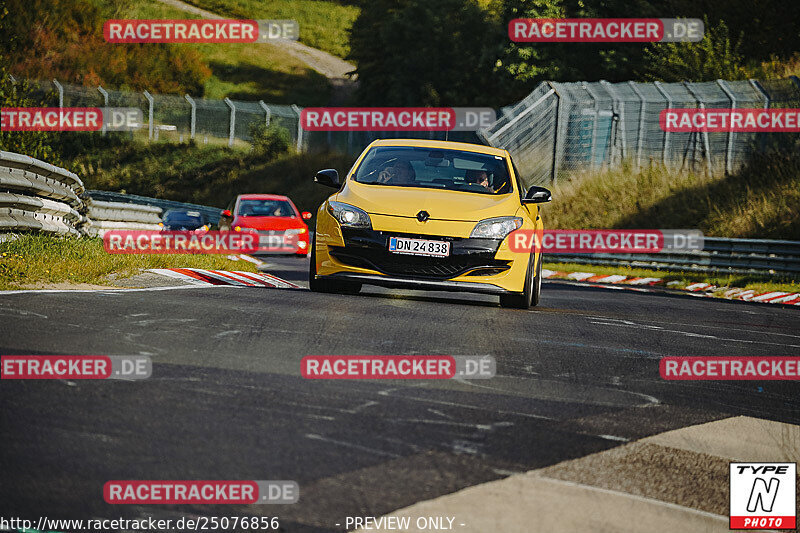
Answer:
(324, 24)
(243, 71)
(759, 201)
(33, 260)
(684, 279)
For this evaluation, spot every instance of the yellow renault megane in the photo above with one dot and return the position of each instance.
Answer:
(421, 214)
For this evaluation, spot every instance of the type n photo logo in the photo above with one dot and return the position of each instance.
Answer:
(763, 495)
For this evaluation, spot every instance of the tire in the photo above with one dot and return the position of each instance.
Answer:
(537, 283)
(524, 299)
(327, 285)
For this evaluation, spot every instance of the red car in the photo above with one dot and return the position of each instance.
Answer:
(280, 226)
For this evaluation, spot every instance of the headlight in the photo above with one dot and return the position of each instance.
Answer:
(295, 231)
(496, 228)
(348, 215)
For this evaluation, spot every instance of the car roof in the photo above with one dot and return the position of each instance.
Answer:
(262, 197)
(444, 145)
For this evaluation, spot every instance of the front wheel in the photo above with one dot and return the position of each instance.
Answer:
(531, 291)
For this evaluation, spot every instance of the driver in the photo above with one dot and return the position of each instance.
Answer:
(400, 173)
(478, 177)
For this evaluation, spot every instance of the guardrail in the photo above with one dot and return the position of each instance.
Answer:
(37, 196)
(719, 256)
(106, 216)
(211, 214)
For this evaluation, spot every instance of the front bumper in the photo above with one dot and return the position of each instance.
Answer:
(474, 265)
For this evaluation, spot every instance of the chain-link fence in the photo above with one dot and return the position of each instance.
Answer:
(558, 129)
(563, 128)
(181, 118)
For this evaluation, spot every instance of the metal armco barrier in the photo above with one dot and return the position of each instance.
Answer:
(719, 256)
(40, 197)
(116, 215)
(37, 196)
(210, 213)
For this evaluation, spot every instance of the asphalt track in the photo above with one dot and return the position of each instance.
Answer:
(576, 375)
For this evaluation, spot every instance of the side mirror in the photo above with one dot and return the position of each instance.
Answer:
(537, 195)
(226, 213)
(328, 177)
(306, 215)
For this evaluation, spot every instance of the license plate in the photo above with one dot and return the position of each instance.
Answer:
(402, 245)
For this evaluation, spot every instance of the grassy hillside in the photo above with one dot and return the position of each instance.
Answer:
(324, 24)
(63, 39)
(203, 174)
(761, 201)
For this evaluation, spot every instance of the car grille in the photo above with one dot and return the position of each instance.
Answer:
(416, 266)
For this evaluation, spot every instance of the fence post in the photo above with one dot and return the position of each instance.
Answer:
(618, 104)
(706, 144)
(149, 114)
(267, 112)
(193, 119)
(757, 86)
(557, 141)
(105, 103)
(666, 133)
(60, 90)
(729, 148)
(640, 133)
(596, 120)
(232, 131)
(299, 128)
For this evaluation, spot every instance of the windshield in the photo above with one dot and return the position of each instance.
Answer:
(453, 170)
(183, 217)
(266, 208)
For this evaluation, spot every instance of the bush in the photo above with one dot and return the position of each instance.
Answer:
(269, 141)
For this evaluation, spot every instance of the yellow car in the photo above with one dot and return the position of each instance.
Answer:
(432, 215)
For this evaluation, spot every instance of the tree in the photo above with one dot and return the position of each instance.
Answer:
(715, 57)
(423, 53)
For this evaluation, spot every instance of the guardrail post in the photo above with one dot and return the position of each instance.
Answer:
(640, 135)
(557, 141)
(60, 90)
(267, 112)
(706, 144)
(150, 124)
(666, 133)
(193, 120)
(299, 128)
(729, 148)
(105, 103)
(232, 131)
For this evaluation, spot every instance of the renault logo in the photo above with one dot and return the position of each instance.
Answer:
(422, 216)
